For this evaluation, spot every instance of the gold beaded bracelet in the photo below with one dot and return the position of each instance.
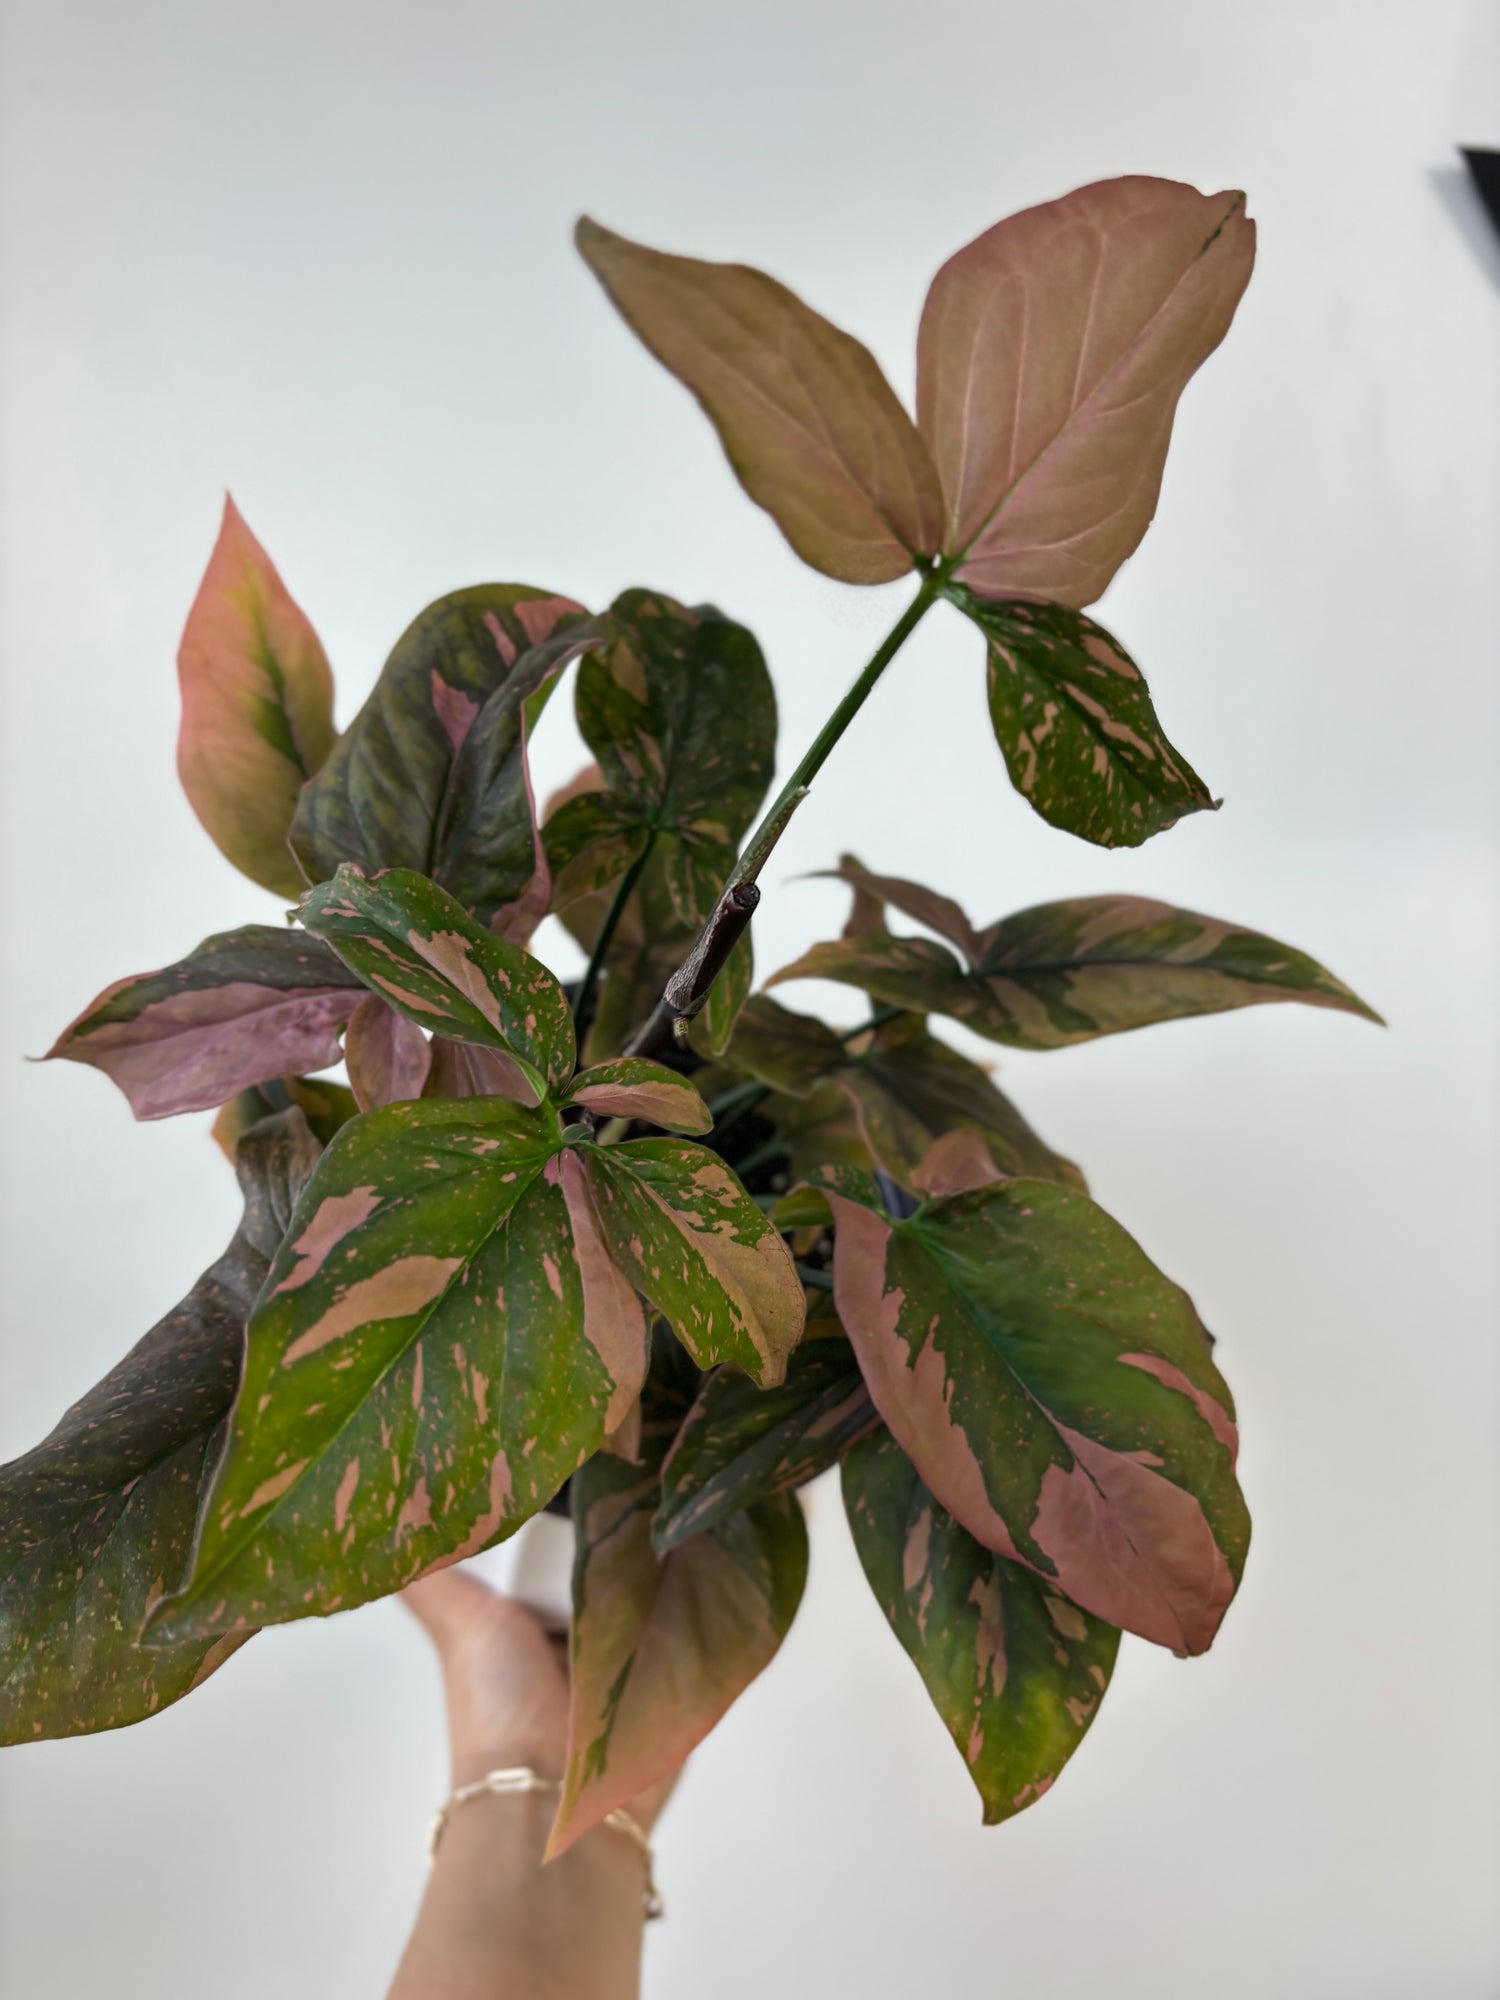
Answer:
(521, 1778)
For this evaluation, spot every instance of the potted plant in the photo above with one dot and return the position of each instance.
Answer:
(655, 1246)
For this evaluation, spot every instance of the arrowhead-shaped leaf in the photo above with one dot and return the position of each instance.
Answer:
(420, 951)
(1073, 717)
(442, 1340)
(906, 1088)
(1051, 355)
(1055, 1392)
(739, 1444)
(1067, 972)
(661, 1647)
(1015, 1671)
(257, 707)
(679, 711)
(431, 775)
(811, 426)
(246, 1006)
(99, 1518)
(679, 1224)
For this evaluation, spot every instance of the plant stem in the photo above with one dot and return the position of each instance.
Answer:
(677, 1007)
(583, 1005)
(773, 823)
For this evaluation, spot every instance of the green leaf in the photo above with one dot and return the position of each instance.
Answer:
(661, 1647)
(257, 707)
(1067, 972)
(442, 1340)
(679, 711)
(431, 774)
(631, 1087)
(98, 1519)
(1051, 355)
(905, 1088)
(245, 1006)
(1015, 1671)
(739, 1444)
(680, 1225)
(1073, 717)
(417, 948)
(727, 996)
(1055, 1392)
(649, 943)
(811, 426)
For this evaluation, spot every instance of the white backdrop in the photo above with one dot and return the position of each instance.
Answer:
(318, 250)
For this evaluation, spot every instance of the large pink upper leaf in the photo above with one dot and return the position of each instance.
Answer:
(257, 707)
(1051, 355)
(811, 426)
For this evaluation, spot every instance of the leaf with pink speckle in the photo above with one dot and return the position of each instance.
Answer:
(442, 1339)
(1055, 1392)
(257, 707)
(431, 774)
(415, 946)
(1015, 1671)
(662, 1646)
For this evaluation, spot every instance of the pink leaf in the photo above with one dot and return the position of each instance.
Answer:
(388, 1057)
(1051, 355)
(257, 707)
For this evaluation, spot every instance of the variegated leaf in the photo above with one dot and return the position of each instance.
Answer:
(631, 1087)
(1051, 355)
(1067, 972)
(661, 1647)
(442, 1340)
(679, 711)
(696, 1245)
(98, 1519)
(739, 1444)
(431, 775)
(257, 707)
(1055, 1392)
(1015, 1671)
(388, 1057)
(811, 426)
(418, 949)
(245, 1006)
(905, 1087)
(1074, 720)
(650, 941)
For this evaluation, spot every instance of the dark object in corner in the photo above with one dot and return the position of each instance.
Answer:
(1484, 169)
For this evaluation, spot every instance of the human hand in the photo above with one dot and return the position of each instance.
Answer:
(505, 1684)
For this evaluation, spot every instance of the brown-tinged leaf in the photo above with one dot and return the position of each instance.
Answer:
(740, 1444)
(326, 1106)
(388, 1057)
(1015, 1671)
(811, 426)
(1067, 972)
(1050, 359)
(98, 1519)
(632, 1087)
(257, 707)
(661, 1647)
(1054, 1391)
(245, 1006)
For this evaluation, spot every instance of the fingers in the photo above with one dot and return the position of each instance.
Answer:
(447, 1603)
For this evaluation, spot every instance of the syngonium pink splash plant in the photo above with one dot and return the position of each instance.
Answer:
(654, 1240)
